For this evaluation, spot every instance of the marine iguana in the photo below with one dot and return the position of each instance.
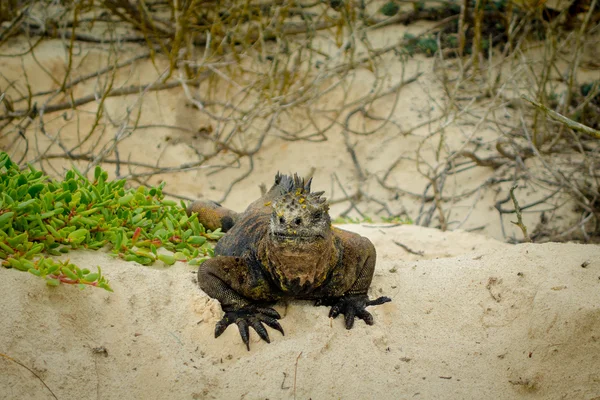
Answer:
(284, 247)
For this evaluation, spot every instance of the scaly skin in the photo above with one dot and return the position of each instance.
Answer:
(284, 247)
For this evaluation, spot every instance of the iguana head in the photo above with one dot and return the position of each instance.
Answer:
(299, 215)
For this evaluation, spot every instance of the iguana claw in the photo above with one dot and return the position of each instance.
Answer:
(250, 316)
(353, 306)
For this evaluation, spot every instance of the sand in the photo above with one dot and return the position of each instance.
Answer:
(471, 318)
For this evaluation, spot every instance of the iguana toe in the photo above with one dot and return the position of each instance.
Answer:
(244, 331)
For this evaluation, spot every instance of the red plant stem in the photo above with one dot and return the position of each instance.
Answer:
(65, 279)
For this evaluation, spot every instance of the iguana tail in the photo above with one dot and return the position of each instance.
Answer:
(212, 215)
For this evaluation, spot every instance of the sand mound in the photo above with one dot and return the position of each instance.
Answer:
(470, 318)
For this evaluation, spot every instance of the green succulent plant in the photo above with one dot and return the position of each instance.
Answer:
(41, 217)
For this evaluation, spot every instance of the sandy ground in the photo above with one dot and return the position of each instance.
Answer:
(470, 318)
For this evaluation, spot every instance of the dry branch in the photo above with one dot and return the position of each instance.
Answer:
(519, 221)
(576, 126)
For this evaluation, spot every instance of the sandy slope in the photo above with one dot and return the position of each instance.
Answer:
(471, 318)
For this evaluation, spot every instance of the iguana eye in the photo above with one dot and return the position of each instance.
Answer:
(281, 220)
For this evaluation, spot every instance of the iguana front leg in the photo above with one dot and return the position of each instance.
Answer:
(359, 265)
(240, 292)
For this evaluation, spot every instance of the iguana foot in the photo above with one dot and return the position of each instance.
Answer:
(352, 306)
(250, 316)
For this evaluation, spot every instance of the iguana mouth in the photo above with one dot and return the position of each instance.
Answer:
(297, 236)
